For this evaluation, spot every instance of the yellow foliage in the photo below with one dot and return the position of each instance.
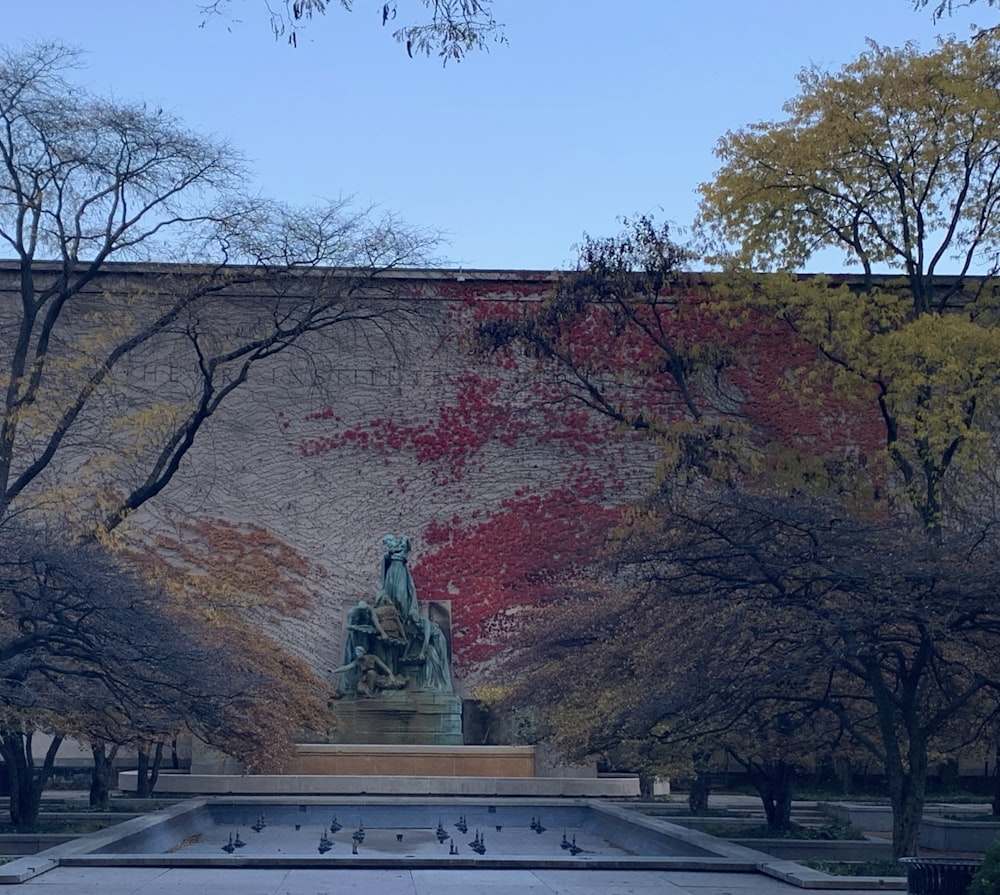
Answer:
(892, 160)
(878, 159)
(226, 568)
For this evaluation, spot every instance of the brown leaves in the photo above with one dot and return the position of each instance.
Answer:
(228, 582)
(234, 567)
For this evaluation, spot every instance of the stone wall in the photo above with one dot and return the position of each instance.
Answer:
(386, 424)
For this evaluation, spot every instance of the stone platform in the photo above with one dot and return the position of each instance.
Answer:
(413, 761)
(387, 769)
(625, 786)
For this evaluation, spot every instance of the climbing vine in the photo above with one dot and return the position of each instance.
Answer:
(534, 445)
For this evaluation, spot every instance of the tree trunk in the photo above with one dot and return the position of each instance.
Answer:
(906, 816)
(26, 781)
(996, 781)
(844, 772)
(907, 792)
(905, 759)
(698, 795)
(773, 782)
(148, 771)
(102, 776)
(646, 784)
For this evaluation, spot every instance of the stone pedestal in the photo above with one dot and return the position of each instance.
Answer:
(464, 762)
(398, 717)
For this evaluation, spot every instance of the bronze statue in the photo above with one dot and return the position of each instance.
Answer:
(369, 679)
(392, 634)
(397, 583)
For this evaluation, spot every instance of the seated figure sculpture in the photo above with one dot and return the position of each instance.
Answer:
(360, 631)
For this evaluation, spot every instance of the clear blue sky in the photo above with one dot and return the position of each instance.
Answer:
(594, 110)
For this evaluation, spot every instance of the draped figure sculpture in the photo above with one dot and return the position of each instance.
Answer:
(397, 583)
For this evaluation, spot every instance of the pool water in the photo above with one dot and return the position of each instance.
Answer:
(283, 831)
(404, 831)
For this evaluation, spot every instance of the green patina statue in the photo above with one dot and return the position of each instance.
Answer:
(384, 637)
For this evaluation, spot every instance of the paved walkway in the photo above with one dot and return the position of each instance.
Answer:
(157, 881)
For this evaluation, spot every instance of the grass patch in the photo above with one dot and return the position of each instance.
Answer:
(858, 868)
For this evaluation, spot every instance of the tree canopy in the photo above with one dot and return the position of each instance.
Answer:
(90, 648)
(895, 161)
(834, 594)
(811, 607)
(797, 591)
(782, 628)
(448, 29)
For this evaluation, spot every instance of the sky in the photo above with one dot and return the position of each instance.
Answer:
(591, 111)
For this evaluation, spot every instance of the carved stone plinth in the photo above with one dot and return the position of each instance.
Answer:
(400, 718)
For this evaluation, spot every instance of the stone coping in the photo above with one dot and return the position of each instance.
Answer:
(948, 835)
(308, 784)
(22, 869)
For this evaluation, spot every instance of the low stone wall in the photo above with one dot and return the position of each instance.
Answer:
(31, 843)
(872, 818)
(820, 849)
(936, 831)
(945, 835)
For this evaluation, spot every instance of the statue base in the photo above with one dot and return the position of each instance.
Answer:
(397, 717)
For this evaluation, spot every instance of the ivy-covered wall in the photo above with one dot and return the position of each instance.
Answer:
(397, 425)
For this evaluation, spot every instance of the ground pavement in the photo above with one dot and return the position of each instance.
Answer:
(159, 881)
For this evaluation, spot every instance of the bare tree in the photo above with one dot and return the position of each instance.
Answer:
(85, 181)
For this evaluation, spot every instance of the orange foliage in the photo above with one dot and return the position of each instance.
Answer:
(240, 566)
(230, 581)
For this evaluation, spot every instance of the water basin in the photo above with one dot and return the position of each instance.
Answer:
(289, 831)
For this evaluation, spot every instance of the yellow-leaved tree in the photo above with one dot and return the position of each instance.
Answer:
(894, 160)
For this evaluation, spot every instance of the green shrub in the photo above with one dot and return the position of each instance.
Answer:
(858, 868)
(796, 831)
(987, 878)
